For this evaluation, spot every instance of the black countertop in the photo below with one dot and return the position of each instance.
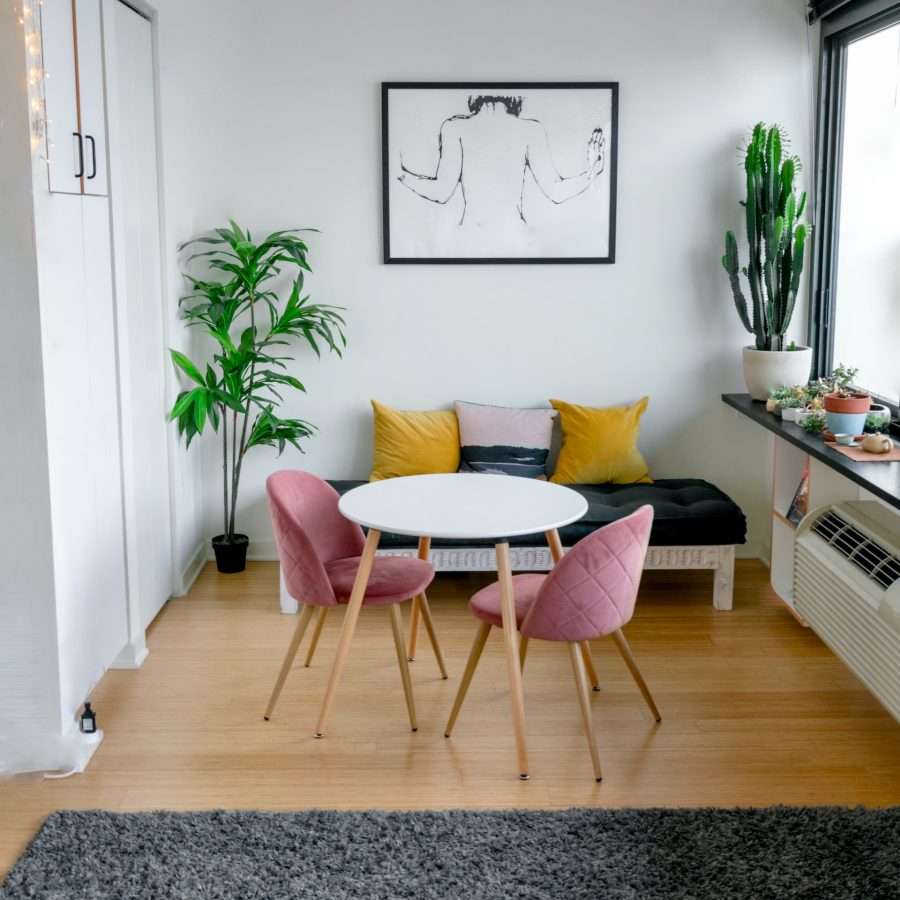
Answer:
(880, 478)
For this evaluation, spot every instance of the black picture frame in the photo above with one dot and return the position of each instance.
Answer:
(388, 86)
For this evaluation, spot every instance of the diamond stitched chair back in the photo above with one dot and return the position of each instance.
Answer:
(309, 532)
(590, 593)
(592, 590)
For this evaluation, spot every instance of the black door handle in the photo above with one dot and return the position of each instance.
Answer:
(93, 156)
(80, 172)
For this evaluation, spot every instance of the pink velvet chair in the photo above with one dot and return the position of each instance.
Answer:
(320, 552)
(590, 593)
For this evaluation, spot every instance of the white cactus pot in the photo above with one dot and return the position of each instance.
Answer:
(765, 370)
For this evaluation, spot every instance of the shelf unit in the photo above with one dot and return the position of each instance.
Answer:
(789, 464)
(833, 478)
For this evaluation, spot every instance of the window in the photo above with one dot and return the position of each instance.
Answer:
(856, 308)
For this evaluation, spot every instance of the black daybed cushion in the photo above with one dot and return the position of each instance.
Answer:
(687, 512)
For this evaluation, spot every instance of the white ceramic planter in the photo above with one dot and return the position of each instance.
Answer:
(765, 370)
(790, 413)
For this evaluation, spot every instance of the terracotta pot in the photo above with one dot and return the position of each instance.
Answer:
(857, 403)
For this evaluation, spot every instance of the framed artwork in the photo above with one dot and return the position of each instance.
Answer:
(499, 172)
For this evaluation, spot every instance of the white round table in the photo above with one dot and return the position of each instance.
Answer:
(460, 506)
(463, 505)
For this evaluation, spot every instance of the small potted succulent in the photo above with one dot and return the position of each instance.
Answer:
(811, 403)
(878, 421)
(846, 408)
(813, 422)
(789, 401)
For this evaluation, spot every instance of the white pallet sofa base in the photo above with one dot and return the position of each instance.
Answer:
(718, 558)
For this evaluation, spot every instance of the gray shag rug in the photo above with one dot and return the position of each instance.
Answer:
(817, 853)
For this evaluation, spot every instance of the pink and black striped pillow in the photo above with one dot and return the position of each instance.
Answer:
(504, 440)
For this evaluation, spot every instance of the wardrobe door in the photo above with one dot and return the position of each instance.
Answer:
(134, 199)
(65, 141)
(89, 47)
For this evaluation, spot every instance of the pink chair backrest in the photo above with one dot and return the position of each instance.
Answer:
(593, 588)
(309, 531)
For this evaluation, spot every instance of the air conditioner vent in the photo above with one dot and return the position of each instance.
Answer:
(876, 561)
(847, 587)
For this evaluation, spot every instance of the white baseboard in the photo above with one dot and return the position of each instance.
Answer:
(57, 755)
(263, 551)
(202, 553)
(132, 655)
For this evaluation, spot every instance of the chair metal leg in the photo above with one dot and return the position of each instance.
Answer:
(350, 617)
(625, 650)
(584, 702)
(403, 662)
(523, 650)
(299, 631)
(317, 631)
(415, 608)
(589, 665)
(474, 655)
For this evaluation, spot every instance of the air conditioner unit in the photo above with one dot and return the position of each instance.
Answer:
(847, 586)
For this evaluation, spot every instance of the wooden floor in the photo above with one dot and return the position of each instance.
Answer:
(755, 711)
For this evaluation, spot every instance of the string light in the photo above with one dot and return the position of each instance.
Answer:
(29, 19)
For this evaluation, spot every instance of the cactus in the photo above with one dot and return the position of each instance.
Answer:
(776, 239)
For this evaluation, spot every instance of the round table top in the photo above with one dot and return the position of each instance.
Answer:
(463, 505)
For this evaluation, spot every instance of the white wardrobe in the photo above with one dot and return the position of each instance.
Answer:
(97, 227)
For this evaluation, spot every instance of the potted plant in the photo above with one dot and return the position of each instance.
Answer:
(814, 423)
(845, 408)
(788, 401)
(878, 421)
(250, 323)
(776, 240)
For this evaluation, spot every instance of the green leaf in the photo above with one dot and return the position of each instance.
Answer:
(186, 366)
(200, 407)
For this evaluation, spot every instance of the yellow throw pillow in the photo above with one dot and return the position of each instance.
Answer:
(600, 445)
(414, 443)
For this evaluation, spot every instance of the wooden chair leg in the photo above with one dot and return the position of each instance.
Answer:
(350, 616)
(414, 617)
(416, 607)
(589, 665)
(584, 702)
(625, 650)
(425, 610)
(403, 662)
(523, 650)
(317, 631)
(474, 655)
(299, 631)
(513, 666)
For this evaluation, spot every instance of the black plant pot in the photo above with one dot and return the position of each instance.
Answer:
(231, 556)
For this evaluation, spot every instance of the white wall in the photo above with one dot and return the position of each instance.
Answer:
(271, 115)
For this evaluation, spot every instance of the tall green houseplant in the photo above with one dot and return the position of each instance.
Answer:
(776, 239)
(251, 316)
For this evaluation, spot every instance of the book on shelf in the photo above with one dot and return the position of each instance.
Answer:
(800, 504)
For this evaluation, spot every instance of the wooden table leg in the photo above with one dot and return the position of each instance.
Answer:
(349, 626)
(415, 607)
(556, 551)
(513, 666)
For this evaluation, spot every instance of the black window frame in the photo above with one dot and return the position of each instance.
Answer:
(849, 24)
